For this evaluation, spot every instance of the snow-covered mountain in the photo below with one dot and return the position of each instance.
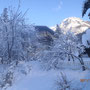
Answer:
(73, 24)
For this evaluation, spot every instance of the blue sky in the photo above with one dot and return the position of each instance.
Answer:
(47, 12)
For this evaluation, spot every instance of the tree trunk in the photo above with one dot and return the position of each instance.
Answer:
(82, 63)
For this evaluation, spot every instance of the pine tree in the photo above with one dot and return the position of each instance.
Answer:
(58, 30)
(5, 15)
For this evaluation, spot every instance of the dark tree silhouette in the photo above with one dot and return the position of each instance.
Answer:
(86, 6)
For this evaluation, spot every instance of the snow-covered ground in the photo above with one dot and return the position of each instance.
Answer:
(39, 79)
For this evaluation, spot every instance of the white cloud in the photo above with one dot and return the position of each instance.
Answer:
(58, 7)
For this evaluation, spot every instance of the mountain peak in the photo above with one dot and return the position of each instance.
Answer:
(73, 24)
(73, 19)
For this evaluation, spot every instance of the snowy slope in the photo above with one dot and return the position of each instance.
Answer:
(73, 24)
(47, 80)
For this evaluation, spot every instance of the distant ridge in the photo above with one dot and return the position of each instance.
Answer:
(44, 29)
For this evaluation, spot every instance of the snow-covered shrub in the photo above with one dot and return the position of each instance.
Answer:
(63, 83)
(64, 47)
(67, 44)
(7, 80)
